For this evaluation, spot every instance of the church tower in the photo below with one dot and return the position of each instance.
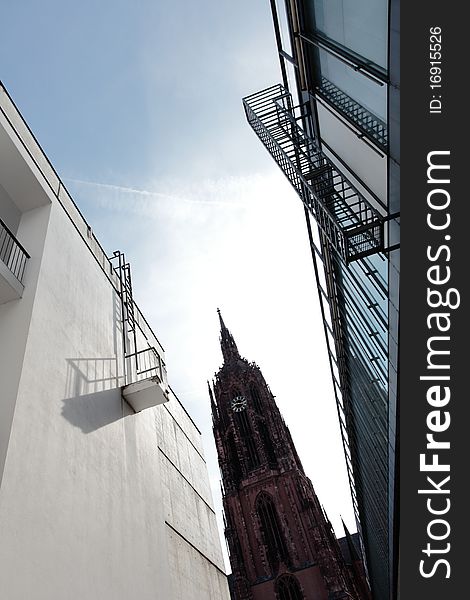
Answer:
(281, 544)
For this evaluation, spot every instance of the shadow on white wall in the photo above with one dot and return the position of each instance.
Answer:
(93, 393)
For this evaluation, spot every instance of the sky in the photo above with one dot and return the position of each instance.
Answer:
(137, 104)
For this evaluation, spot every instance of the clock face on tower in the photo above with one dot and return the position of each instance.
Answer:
(238, 403)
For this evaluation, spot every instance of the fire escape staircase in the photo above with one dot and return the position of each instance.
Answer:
(353, 227)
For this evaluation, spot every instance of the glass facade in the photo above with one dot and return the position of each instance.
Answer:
(363, 307)
(358, 25)
(355, 306)
(346, 62)
(360, 100)
(366, 92)
(346, 44)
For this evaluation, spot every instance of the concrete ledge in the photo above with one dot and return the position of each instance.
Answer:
(10, 287)
(145, 393)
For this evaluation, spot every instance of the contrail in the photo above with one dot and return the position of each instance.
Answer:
(118, 188)
(148, 193)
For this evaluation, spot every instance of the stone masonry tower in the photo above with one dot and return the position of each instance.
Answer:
(281, 544)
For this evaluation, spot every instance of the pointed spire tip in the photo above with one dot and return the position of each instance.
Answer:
(228, 345)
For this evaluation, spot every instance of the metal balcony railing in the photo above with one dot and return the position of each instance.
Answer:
(372, 126)
(146, 380)
(149, 364)
(351, 224)
(12, 253)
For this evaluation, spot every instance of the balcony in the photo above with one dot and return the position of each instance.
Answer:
(13, 259)
(147, 374)
(353, 227)
(373, 127)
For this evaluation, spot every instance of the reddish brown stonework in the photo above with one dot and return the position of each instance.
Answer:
(281, 544)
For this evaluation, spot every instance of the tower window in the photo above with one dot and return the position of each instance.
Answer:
(246, 436)
(288, 588)
(273, 537)
(256, 398)
(268, 443)
(233, 460)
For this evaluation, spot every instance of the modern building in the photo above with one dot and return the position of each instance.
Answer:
(332, 126)
(281, 544)
(104, 490)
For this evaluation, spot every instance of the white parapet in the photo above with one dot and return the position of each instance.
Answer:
(145, 393)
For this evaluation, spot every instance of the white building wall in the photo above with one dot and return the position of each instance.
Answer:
(196, 562)
(96, 501)
(14, 323)
(10, 213)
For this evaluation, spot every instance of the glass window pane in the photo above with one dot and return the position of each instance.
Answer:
(360, 25)
(363, 90)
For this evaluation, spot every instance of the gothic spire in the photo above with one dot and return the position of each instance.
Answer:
(227, 343)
